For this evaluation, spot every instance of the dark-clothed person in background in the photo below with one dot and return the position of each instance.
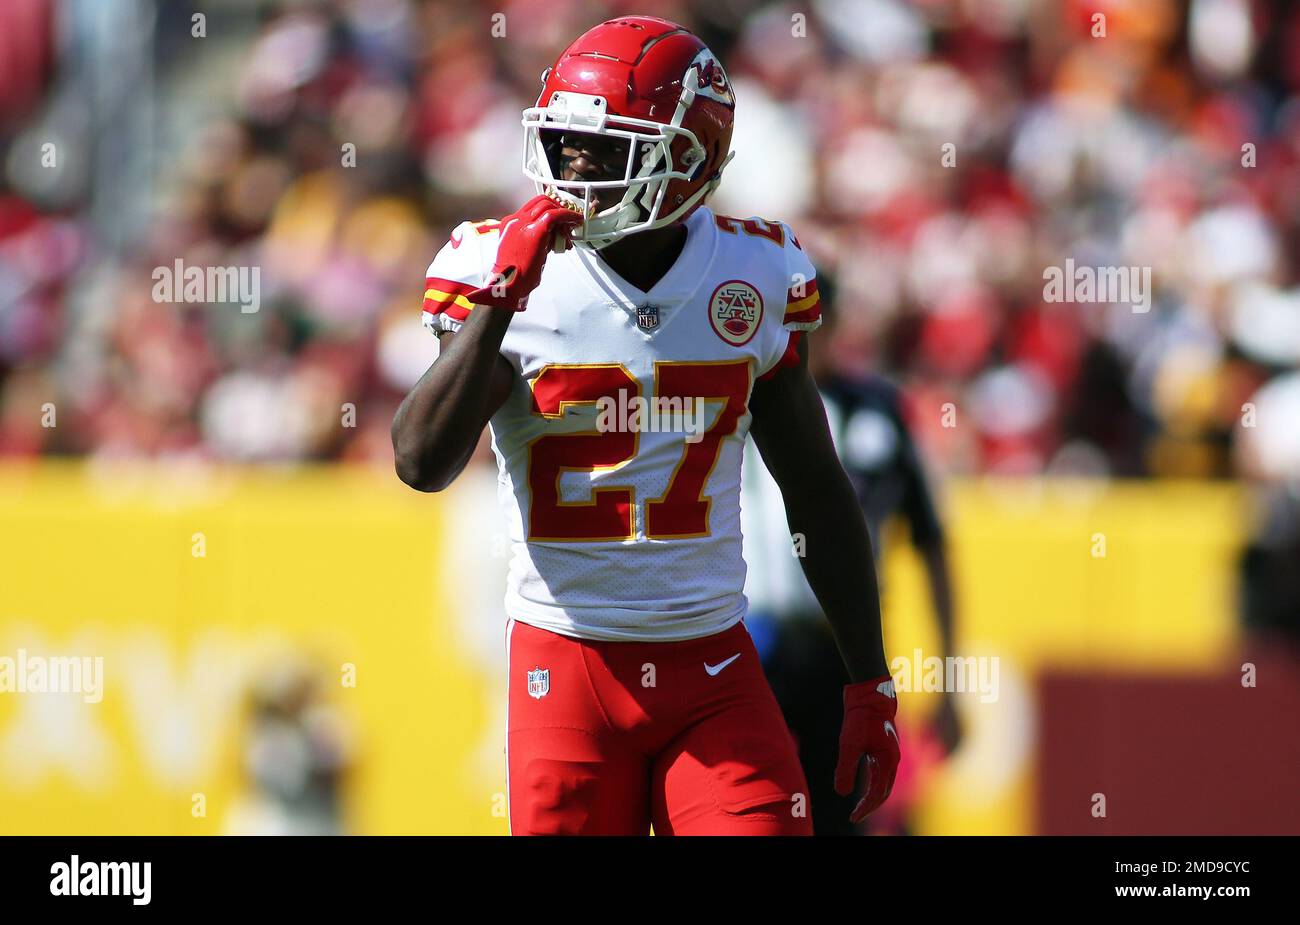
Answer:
(866, 417)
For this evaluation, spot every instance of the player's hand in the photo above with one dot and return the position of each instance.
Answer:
(526, 236)
(868, 733)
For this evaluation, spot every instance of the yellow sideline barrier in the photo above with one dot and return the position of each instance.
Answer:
(190, 584)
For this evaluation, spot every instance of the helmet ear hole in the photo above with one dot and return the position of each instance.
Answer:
(692, 158)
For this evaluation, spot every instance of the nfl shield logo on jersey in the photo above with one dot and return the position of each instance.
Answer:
(539, 683)
(647, 317)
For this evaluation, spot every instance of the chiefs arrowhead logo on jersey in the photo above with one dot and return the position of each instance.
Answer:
(735, 311)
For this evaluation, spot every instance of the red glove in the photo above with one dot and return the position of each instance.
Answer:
(868, 732)
(526, 236)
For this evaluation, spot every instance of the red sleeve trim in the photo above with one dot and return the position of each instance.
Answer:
(789, 358)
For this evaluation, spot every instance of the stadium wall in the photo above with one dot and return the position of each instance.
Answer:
(198, 585)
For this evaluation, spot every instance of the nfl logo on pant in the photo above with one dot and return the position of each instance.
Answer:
(539, 682)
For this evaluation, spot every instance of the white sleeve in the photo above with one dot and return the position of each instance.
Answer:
(456, 271)
(800, 309)
(803, 310)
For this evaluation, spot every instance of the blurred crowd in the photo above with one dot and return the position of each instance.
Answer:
(934, 156)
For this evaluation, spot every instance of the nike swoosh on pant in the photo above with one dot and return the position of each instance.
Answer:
(714, 670)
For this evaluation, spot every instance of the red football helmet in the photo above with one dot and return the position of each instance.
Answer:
(656, 87)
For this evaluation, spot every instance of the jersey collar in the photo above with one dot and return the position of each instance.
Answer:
(683, 278)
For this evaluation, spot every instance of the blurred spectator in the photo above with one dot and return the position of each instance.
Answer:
(295, 753)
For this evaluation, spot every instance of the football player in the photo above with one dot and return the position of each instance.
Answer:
(636, 697)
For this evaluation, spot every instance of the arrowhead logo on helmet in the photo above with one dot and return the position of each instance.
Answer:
(655, 87)
(712, 79)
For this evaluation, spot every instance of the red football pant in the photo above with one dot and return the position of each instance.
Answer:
(618, 736)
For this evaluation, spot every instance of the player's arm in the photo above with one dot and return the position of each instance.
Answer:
(928, 538)
(439, 422)
(934, 554)
(789, 427)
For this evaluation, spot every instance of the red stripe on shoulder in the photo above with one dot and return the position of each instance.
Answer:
(448, 285)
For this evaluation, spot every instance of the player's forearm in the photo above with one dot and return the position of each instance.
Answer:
(439, 422)
(840, 568)
(936, 566)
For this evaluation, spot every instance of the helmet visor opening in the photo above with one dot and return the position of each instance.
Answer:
(614, 168)
(586, 156)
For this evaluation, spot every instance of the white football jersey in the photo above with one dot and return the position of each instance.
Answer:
(619, 448)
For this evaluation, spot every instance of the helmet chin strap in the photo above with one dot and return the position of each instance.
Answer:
(624, 214)
(616, 218)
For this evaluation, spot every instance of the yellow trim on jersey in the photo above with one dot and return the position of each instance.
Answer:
(793, 308)
(437, 295)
